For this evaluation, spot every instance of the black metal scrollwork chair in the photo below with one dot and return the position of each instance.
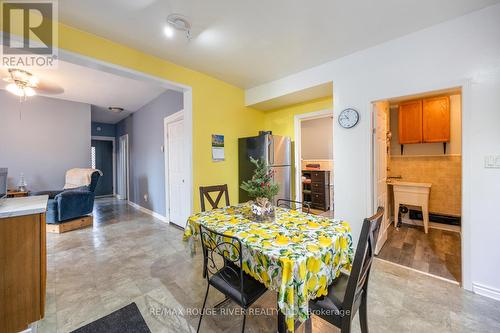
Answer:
(230, 278)
(348, 293)
(285, 203)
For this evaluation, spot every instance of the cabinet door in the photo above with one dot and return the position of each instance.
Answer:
(436, 119)
(410, 122)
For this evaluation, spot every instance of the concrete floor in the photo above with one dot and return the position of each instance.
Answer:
(129, 256)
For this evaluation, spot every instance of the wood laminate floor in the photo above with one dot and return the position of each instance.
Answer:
(437, 253)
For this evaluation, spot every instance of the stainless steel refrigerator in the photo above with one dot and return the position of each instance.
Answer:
(276, 151)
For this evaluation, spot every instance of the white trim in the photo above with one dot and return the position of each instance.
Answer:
(112, 139)
(465, 86)
(420, 272)
(149, 212)
(127, 162)
(298, 119)
(486, 291)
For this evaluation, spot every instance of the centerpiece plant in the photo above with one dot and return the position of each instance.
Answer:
(262, 189)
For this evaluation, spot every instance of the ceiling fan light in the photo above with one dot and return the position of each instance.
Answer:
(29, 92)
(15, 89)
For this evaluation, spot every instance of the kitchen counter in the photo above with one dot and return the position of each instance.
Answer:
(12, 207)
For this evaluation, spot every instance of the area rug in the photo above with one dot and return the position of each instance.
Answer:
(125, 320)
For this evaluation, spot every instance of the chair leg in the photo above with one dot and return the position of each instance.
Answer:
(308, 325)
(363, 314)
(346, 325)
(244, 320)
(203, 308)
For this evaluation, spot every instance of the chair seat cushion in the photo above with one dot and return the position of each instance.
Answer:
(336, 292)
(228, 283)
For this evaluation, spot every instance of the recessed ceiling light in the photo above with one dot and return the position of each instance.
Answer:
(169, 31)
(115, 109)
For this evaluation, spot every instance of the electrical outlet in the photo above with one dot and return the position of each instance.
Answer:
(492, 161)
(146, 197)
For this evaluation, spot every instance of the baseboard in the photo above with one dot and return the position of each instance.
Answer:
(432, 225)
(486, 291)
(149, 212)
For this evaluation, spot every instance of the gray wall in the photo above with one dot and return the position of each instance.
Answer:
(50, 137)
(147, 161)
(102, 129)
(317, 139)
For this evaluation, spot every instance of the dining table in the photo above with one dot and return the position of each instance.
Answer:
(296, 254)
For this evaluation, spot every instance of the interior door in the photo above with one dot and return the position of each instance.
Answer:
(381, 113)
(104, 162)
(178, 199)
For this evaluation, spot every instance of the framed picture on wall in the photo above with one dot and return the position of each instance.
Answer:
(217, 147)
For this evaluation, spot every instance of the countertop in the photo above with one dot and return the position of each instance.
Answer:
(12, 207)
(403, 183)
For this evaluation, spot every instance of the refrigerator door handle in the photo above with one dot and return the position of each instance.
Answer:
(270, 150)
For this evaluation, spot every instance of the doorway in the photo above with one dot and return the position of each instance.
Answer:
(102, 158)
(176, 171)
(122, 192)
(417, 178)
(314, 161)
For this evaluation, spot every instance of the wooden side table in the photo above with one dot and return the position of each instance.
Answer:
(17, 194)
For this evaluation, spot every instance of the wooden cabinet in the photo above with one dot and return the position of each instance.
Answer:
(410, 122)
(23, 271)
(425, 120)
(436, 119)
(317, 189)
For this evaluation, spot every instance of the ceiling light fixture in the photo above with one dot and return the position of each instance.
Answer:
(21, 83)
(177, 22)
(115, 109)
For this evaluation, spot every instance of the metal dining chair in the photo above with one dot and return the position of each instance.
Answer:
(285, 203)
(230, 280)
(348, 293)
(205, 194)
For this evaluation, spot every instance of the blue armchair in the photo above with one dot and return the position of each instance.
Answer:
(71, 203)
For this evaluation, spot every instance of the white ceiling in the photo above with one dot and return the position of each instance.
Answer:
(248, 43)
(86, 85)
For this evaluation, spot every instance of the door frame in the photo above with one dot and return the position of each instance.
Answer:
(112, 139)
(188, 157)
(466, 217)
(127, 166)
(298, 119)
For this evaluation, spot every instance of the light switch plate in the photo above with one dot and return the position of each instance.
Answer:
(492, 161)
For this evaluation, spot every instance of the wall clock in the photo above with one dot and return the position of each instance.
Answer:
(348, 118)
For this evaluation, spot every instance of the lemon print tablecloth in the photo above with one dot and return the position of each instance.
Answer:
(298, 255)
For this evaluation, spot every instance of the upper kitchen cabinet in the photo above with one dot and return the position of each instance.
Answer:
(436, 119)
(410, 122)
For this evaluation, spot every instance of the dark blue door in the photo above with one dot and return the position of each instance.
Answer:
(104, 162)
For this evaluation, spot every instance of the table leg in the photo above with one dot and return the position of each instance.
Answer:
(425, 213)
(396, 212)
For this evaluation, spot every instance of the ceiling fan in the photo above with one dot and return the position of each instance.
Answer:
(24, 84)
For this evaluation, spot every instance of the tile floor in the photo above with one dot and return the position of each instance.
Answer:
(437, 253)
(129, 256)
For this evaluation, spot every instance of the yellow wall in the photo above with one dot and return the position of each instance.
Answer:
(281, 121)
(218, 107)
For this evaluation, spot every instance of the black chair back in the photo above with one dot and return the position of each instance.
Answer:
(285, 203)
(218, 246)
(363, 259)
(205, 194)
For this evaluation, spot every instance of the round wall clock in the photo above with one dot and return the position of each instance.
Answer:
(348, 118)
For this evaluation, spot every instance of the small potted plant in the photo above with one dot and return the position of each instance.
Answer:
(262, 190)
